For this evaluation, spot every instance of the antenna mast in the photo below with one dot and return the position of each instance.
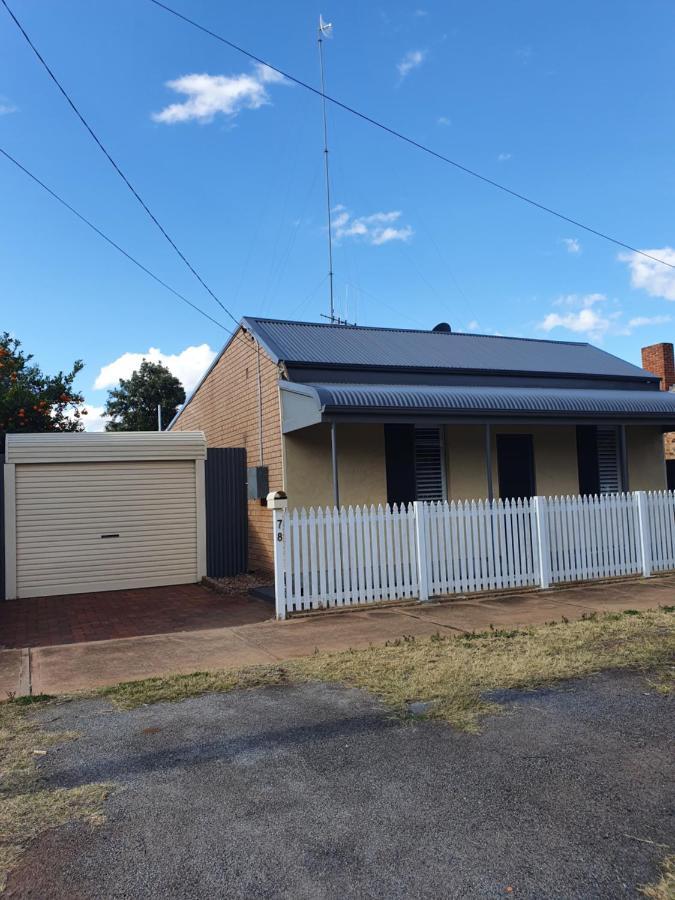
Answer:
(325, 29)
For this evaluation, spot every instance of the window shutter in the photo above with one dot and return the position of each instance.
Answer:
(608, 461)
(429, 464)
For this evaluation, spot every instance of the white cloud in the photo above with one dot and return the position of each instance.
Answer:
(392, 234)
(585, 321)
(651, 276)
(503, 157)
(411, 60)
(209, 95)
(588, 316)
(442, 120)
(91, 417)
(420, 13)
(94, 420)
(572, 245)
(6, 107)
(188, 366)
(473, 325)
(377, 228)
(579, 301)
(639, 321)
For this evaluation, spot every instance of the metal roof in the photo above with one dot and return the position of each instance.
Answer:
(316, 344)
(459, 402)
(104, 446)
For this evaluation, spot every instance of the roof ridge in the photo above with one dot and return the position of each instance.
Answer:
(506, 337)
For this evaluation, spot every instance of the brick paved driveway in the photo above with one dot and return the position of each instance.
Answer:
(70, 619)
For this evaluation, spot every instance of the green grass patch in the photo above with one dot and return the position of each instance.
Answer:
(31, 699)
(452, 673)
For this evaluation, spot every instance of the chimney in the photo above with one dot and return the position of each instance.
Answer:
(658, 358)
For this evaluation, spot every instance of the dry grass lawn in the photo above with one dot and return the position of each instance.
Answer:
(664, 888)
(452, 673)
(27, 808)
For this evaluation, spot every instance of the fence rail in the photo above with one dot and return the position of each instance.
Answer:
(361, 555)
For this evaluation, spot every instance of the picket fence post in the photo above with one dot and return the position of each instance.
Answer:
(540, 507)
(279, 517)
(645, 532)
(422, 556)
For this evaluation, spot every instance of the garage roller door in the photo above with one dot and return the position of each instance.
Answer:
(105, 526)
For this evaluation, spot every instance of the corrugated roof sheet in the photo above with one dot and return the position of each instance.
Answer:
(317, 344)
(103, 446)
(450, 400)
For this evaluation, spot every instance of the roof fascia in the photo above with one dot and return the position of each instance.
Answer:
(332, 414)
(273, 351)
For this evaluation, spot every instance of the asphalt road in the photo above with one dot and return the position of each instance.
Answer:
(318, 792)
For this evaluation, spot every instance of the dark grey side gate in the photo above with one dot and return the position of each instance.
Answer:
(226, 511)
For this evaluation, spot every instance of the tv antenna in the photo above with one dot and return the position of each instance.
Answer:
(326, 31)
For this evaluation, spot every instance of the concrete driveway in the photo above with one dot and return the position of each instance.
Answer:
(212, 631)
(318, 792)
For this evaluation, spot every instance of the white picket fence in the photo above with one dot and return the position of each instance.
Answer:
(361, 555)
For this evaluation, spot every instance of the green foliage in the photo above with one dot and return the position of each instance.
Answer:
(31, 400)
(133, 405)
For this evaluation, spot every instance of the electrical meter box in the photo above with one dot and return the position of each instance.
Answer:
(258, 482)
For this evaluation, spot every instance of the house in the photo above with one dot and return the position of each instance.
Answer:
(660, 359)
(357, 415)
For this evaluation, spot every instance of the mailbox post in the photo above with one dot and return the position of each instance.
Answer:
(277, 503)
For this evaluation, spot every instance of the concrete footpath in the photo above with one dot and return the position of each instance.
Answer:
(72, 667)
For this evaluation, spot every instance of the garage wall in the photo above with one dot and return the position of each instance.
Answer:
(105, 526)
(99, 514)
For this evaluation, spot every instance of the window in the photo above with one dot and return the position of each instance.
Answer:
(415, 463)
(429, 467)
(608, 461)
(598, 459)
(515, 465)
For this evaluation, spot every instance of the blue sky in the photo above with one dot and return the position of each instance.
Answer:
(569, 103)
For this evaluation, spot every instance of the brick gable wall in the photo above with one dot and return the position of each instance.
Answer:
(225, 408)
(660, 359)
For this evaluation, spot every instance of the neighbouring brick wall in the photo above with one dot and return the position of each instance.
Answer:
(660, 359)
(669, 444)
(225, 408)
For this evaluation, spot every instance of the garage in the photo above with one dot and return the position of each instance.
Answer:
(100, 512)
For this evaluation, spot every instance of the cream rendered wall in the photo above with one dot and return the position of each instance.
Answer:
(555, 459)
(465, 462)
(646, 464)
(308, 478)
(556, 469)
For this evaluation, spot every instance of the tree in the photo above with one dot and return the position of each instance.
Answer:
(31, 400)
(133, 405)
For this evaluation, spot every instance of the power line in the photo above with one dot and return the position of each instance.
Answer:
(111, 241)
(408, 140)
(115, 165)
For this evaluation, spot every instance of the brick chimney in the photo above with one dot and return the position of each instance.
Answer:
(658, 358)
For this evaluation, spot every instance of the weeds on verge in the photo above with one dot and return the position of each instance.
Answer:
(27, 808)
(664, 888)
(452, 673)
